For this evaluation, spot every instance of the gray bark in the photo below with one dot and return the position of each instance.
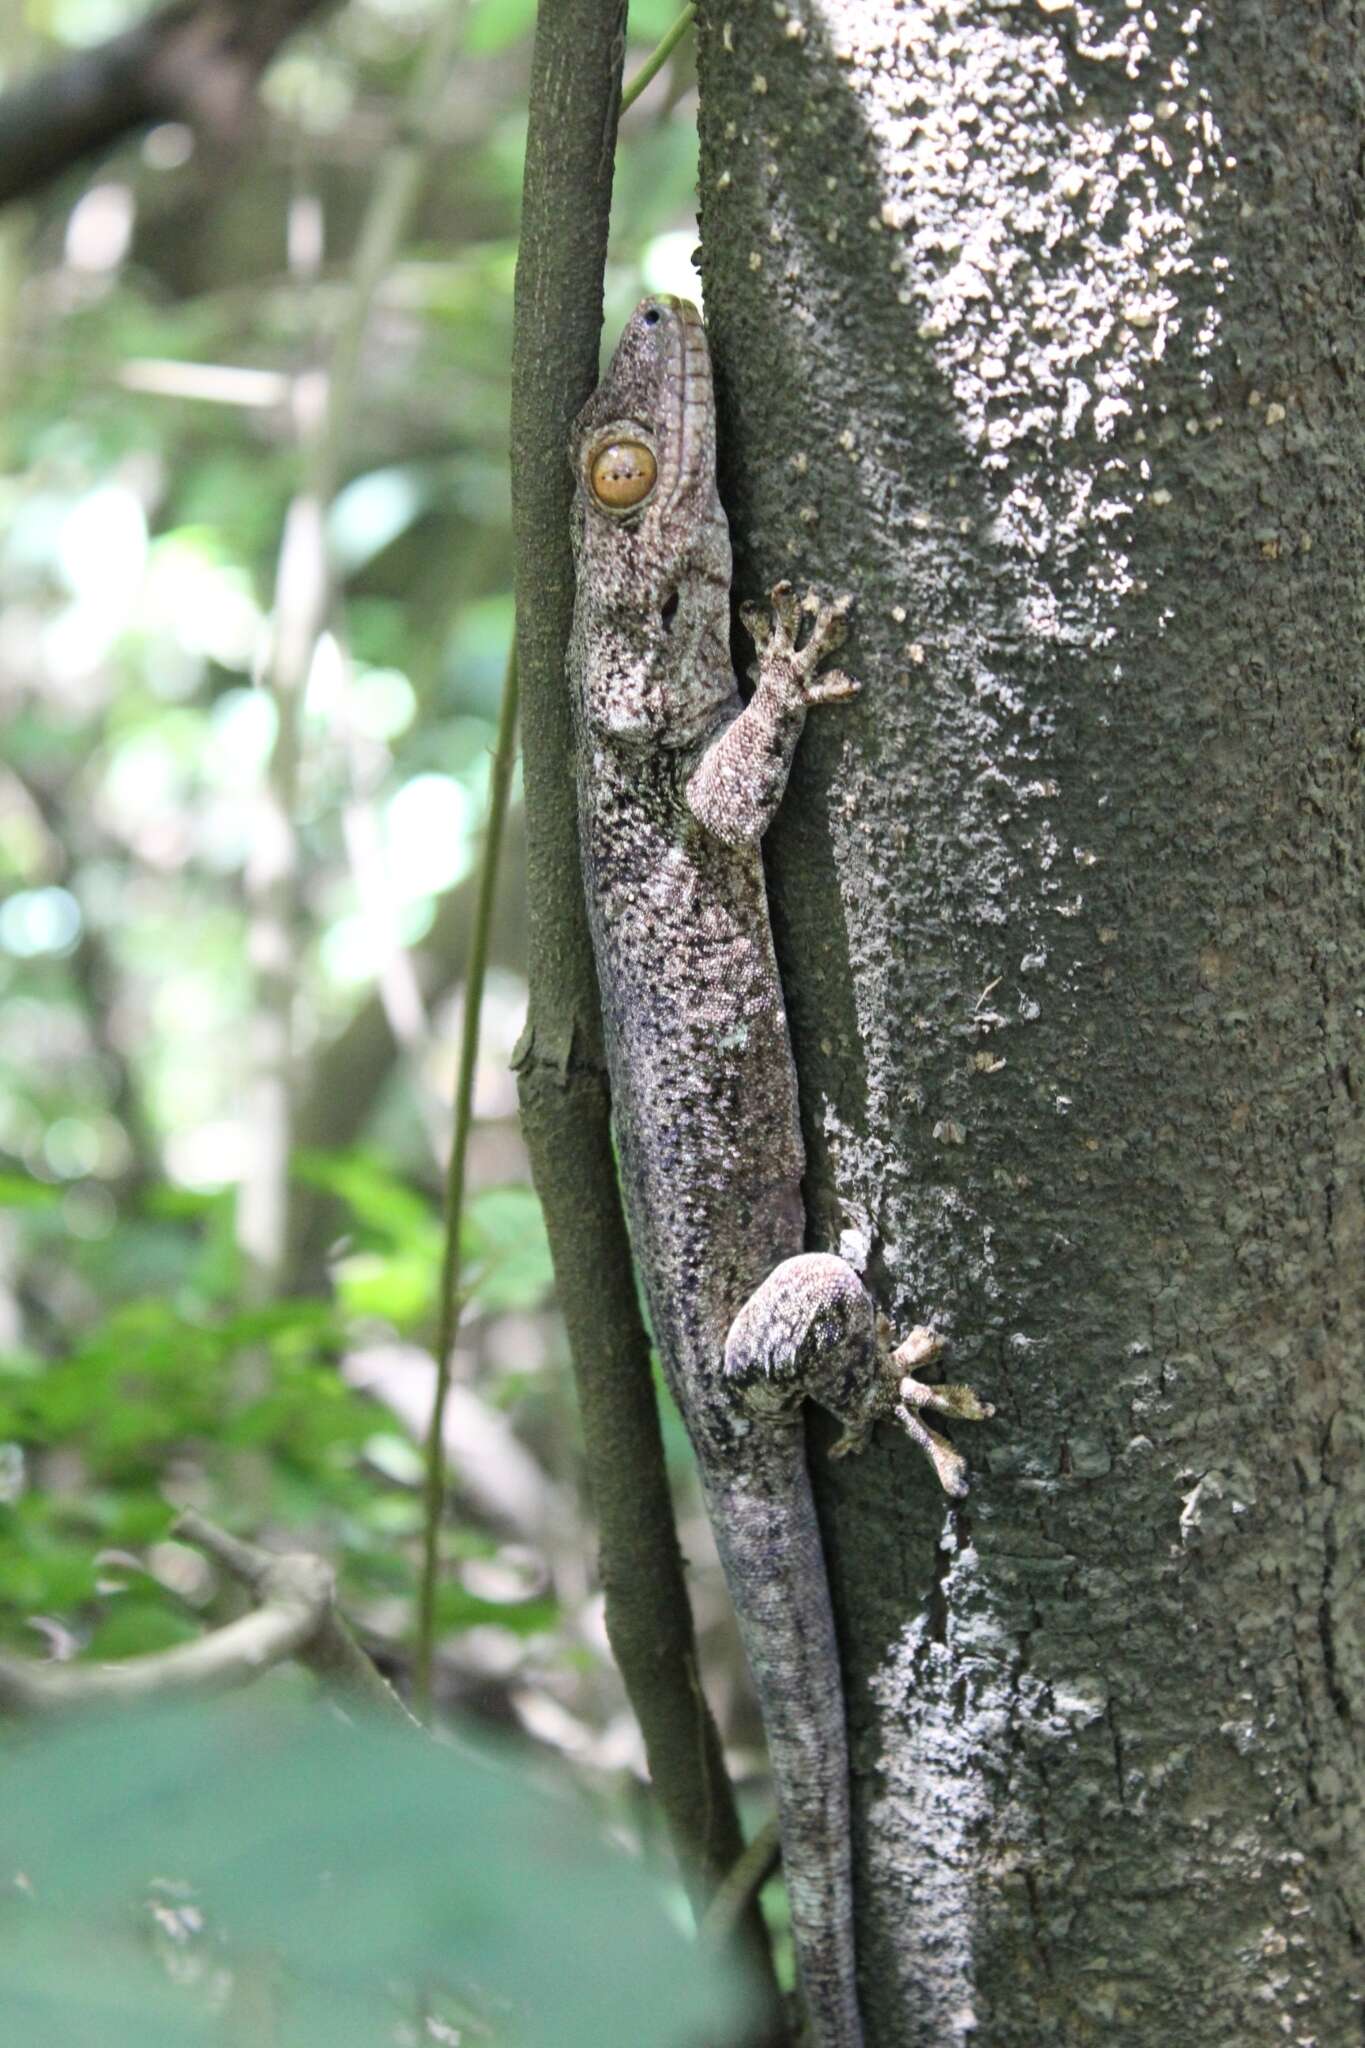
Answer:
(1038, 327)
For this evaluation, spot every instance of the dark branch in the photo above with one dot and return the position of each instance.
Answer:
(561, 1072)
(197, 61)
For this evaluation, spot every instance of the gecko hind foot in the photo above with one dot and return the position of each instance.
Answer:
(810, 1332)
(903, 1397)
(914, 1395)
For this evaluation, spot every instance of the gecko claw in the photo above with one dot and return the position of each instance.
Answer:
(918, 1348)
(757, 624)
(829, 627)
(789, 664)
(949, 1464)
(786, 610)
(897, 1393)
(856, 1437)
(961, 1401)
(831, 687)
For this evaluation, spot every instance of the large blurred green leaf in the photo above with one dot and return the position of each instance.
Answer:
(362, 1862)
(393, 1270)
(381, 1202)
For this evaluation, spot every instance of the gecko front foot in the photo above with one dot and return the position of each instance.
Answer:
(903, 1396)
(790, 669)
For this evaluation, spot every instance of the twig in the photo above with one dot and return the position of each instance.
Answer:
(295, 1617)
(331, 1652)
(295, 1594)
(659, 56)
(736, 1893)
(504, 758)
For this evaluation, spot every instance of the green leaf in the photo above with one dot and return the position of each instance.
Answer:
(115, 1999)
(397, 1290)
(136, 1625)
(360, 1861)
(378, 1200)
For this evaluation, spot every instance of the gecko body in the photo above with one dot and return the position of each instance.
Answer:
(677, 782)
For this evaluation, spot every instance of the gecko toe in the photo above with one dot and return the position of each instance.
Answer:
(829, 627)
(786, 610)
(757, 624)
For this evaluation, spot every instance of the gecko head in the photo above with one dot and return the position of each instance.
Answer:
(645, 441)
(650, 536)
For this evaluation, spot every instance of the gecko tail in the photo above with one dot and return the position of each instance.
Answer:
(769, 1543)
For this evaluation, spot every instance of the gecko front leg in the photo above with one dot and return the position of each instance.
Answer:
(738, 783)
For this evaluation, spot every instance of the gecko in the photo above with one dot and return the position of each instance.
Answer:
(678, 779)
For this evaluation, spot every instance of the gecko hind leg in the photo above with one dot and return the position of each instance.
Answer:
(811, 1332)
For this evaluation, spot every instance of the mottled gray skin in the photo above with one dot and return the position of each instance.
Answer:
(677, 784)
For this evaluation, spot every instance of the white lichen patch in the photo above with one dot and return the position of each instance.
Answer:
(1045, 286)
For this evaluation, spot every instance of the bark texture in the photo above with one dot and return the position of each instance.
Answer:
(1038, 326)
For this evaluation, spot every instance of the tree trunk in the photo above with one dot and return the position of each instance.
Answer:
(1037, 326)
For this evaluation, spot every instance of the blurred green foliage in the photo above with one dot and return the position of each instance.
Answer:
(164, 317)
(168, 1401)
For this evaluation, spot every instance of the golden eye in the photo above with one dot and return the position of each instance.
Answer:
(622, 474)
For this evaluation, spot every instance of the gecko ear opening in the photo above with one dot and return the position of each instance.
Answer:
(668, 611)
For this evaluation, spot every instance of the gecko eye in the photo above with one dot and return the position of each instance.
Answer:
(668, 610)
(621, 475)
(651, 316)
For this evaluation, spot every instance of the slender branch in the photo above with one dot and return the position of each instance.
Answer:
(574, 103)
(197, 61)
(659, 56)
(295, 1617)
(331, 1652)
(742, 1885)
(295, 1594)
(504, 758)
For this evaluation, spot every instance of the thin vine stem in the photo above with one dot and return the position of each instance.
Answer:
(451, 1303)
(658, 56)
